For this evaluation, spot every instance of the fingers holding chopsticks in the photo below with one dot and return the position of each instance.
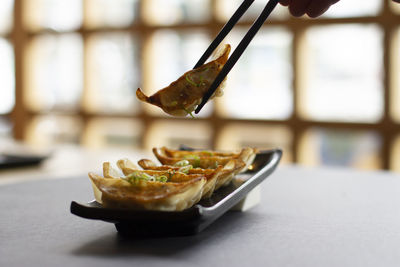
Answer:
(313, 8)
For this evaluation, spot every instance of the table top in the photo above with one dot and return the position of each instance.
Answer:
(307, 217)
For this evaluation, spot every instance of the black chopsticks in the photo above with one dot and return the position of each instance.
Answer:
(239, 49)
(225, 30)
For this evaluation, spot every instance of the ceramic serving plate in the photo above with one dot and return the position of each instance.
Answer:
(189, 221)
(14, 161)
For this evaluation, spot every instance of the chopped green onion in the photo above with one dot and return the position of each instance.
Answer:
(191, 156)
(162, 178)
(137, 176)
(195, 158)
(174, 103)
(182, 163)
(185, 169)
(190, 81)
(188, 112)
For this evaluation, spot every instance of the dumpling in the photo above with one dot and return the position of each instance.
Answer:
(149, 190)
(194, 158)
(205, 159)
(182, 96)
(212, 175)
(232, 162)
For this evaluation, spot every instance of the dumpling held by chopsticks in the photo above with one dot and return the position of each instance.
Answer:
(182, 96)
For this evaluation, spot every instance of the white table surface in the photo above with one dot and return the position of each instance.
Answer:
(307, 217)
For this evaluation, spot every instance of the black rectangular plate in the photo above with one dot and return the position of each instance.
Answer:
(190, 221)
(14, 161)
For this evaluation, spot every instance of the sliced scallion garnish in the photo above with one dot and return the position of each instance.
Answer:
(137, 176)
(162, 178)
(189, 80)
(188, 112)
(182, 163)
(194, 158)
(185, 169)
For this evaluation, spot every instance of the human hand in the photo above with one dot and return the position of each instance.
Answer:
(313, 8)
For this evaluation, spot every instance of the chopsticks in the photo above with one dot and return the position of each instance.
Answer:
(239, 49)
(225, 30)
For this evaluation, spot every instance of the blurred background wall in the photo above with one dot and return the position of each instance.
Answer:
(325, 90)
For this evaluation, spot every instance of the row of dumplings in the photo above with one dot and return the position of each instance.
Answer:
(183, 179)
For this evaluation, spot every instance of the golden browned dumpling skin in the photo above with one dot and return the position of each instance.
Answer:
(212, 175)
(204, 159)
(232, 162)
(182, 96)
(149, 195)
(194, 159)
(147, 189)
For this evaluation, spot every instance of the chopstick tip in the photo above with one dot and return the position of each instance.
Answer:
(199, 107)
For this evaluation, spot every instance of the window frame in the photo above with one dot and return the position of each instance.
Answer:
(388, 128)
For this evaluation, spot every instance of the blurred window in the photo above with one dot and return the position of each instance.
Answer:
(50, 130)
(54, 72)
(118, 133)
(353, 8)
(5, 130)
(7, 80)
(260, 84)
(56, 15)
(161, 12)
(359, 149)
(344, 73)
(7, 71)
(113, 14)
(173, 134)
(6, 15)
(112, 73)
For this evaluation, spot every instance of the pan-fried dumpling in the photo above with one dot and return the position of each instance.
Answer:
(229, 171)
(232, 162)
(197, 161)
(150, 190)
(182, 96)
(212, 175)
(149, 195)
(204, 159)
